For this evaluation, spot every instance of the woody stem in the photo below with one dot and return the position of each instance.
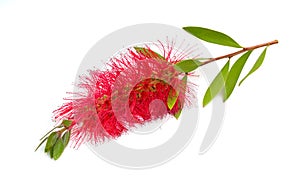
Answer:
(239, 52)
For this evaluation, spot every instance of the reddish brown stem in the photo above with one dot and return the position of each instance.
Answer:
(240, 51)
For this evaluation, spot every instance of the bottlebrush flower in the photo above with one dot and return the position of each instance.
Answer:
(115, 100)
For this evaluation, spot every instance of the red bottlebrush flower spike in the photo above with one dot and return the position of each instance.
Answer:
(115, 100)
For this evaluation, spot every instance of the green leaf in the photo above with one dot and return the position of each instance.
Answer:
(51, 141)
(172, 98)
(178, 113)
(234, 74)
(66, 138)
(257, 64)
(67, 123)
(212, 36)
(51, 153)
(216, 85)
(188, 65)
(148, 52)
(58, 149)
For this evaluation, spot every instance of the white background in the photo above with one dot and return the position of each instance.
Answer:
(43, 42)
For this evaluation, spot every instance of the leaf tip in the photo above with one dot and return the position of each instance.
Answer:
(205, 101)
(241, 82)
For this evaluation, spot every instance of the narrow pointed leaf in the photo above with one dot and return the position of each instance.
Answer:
(51, 153)
(188, 65)
(212, 36)
(257, 64)
(178, 113)
(172, 98)
(58, 149)
(66, 138)
(234, 74)
(216, 85)
(148, 52)
(51, 141)
(67, 123)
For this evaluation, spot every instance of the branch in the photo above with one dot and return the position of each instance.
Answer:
(240, 51)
